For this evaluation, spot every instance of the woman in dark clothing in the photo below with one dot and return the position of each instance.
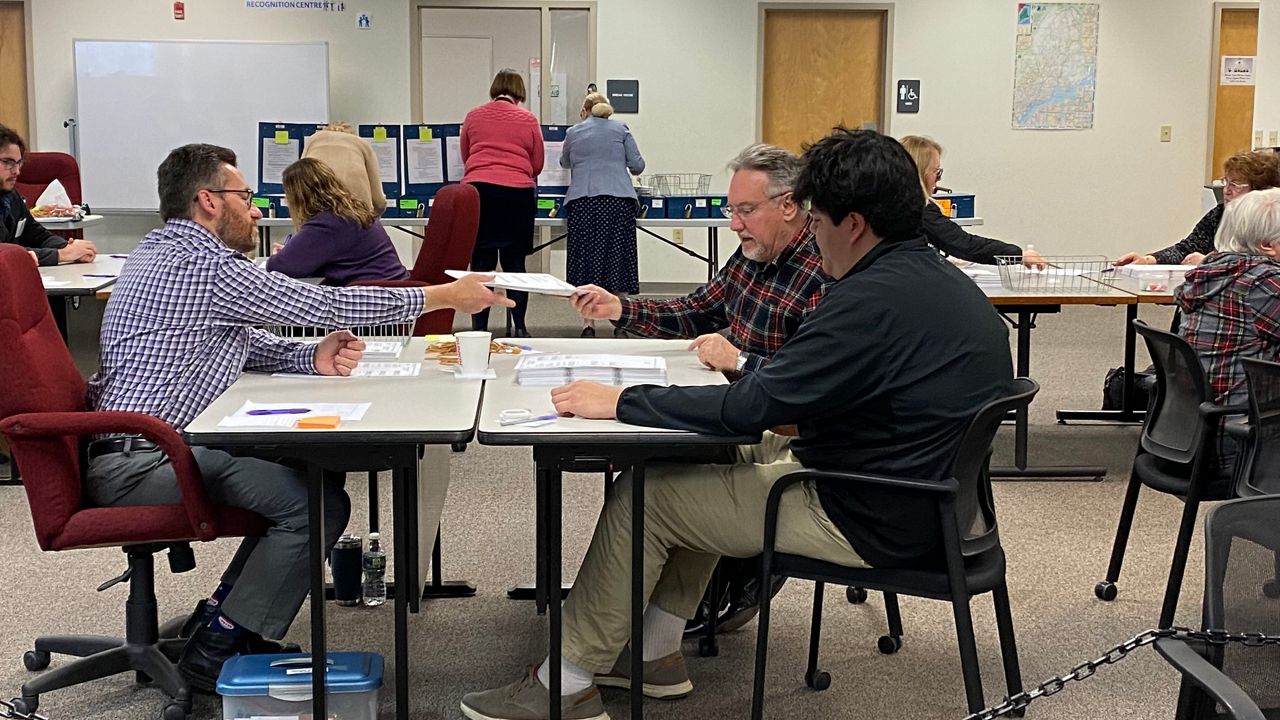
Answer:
(1242, 173)
(338, 235)
(939, 230)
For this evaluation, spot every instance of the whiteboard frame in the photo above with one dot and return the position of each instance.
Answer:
(243, 159)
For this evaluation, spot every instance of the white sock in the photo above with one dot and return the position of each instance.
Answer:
(662, 633)
(573, 679)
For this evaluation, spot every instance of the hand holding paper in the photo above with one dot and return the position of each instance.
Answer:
(467, 294)
(529, 282)
(595, 303)
(338, 353)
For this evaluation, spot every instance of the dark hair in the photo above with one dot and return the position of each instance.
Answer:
(864, 172)
(11, 137)
(186, 171)
(508, 82)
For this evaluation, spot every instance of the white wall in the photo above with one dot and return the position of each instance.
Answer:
(1266, 96)
(1106, 190)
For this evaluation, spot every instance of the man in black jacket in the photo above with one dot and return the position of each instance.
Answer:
(16, 223)
(881, 378)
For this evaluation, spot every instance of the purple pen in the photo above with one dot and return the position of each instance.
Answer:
(279, 411)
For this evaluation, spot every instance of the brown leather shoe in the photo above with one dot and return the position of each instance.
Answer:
(666, 678)
(527, 699)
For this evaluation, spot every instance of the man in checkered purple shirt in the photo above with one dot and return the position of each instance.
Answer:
(181, 325)
(760, 296)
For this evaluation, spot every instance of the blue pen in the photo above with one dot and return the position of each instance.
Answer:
(119, 257)
(280, 411)
(98, 276)
(531, 419)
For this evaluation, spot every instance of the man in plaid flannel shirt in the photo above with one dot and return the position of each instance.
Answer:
(761, 295)
(181, 325)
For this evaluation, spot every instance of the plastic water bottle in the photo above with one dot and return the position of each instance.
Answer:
(374, 563)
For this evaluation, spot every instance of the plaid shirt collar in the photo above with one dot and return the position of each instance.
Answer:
(788, 252)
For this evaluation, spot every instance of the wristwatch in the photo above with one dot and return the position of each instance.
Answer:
(742, 362)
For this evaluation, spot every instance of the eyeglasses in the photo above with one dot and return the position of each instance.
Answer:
(246, 193)
(745, 210)
(1228, 183)
(937, 175)
(11, 164)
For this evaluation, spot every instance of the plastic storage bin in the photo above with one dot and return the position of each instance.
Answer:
(550, 206)
(411, 207)
(279, 686)
(652, 207)
(687, 207)
(960, 204)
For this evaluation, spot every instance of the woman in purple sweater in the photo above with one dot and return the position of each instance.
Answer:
(338, 235)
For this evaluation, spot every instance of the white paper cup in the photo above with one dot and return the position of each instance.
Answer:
(473, 352)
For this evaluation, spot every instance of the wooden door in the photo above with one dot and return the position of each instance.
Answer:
(821, 68)
(1233, 107)
(13, 68)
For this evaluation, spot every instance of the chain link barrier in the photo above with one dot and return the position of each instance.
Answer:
(8, 711)
(1053, 686)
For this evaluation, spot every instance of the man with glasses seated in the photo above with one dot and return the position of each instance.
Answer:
(19, 226)
(760, 296)
(182, 323)
(1242, 173)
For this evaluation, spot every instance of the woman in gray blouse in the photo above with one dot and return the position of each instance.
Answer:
(601, 202)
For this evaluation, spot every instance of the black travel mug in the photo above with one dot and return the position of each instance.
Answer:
(344, 563)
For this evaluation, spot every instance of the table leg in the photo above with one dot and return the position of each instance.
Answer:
(637, 590)
(58, 306)
(713, 252)
(1020, 470)
(1126, 413)
(402, 478)
(319, 653)
(554, 543)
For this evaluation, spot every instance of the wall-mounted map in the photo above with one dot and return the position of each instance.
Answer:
(1056, 66)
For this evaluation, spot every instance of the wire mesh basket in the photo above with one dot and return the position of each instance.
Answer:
(679, 184)
(1059, 274)
(398, 330)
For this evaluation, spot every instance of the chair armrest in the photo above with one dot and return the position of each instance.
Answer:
(82, 424)
(1209, 678)
(946, 486)
(1212, 410)
(389, 283)
(1238, 428)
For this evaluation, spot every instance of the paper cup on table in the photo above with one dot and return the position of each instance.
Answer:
(473, 352)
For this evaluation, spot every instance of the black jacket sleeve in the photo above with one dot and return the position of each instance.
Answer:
(34, 236)
(1199, 241)
(952, 239)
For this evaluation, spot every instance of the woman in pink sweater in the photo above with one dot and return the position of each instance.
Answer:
(501, 147)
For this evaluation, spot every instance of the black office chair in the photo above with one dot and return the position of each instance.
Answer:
(1241, 540)
(1259, 469)
(1176, 455)
(975, 562)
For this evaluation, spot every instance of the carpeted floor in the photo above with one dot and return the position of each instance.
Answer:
(1057, 536)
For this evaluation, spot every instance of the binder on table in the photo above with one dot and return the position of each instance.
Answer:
(385, 141)
(279, 146)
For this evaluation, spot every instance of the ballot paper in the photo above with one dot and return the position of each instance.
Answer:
(617, 370)
(346, 411)
(541, 283)
(382, 350)
(364, 369)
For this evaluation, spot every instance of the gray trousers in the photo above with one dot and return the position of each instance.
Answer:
(268, 575)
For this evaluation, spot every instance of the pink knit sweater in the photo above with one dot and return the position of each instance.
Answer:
(502, 145)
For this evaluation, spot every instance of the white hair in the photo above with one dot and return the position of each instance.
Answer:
(1249, 221)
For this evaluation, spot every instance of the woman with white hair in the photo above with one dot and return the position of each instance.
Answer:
(1231, 301)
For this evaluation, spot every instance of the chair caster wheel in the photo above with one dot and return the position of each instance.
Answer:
(26, 705)
(889, 644)
(856, 595)
(819, 681)
(1105, 590)
(34, 660)
(1271, 589)
(708, 647)
(176, 710)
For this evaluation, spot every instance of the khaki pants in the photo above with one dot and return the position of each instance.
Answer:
(693, 515)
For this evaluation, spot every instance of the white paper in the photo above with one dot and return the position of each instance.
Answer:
(631, 362)
(387, 369)
(453, 154)
(426, 161)
(346, 411)
(51, 283)
(541, 283)
(54, 194)
(489, 373)
(382, 349)
(259, 421)
(387, 161)
(276, 157)
(552, 174)
(1237, 70)
(1135, 270)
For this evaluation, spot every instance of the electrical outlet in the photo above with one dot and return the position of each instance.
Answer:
(1257, 138)
(677, 236)
(1274, 138)
(1166, 133)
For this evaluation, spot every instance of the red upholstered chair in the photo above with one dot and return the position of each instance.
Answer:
(41, 169)
(446, 245)
(45, 422)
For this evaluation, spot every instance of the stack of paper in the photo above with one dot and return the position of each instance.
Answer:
(983, 275)
(382, 350)
(528, 282)
(617, 370)
(1135, 270)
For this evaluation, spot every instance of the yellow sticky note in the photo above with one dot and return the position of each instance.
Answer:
(319, 422)
(379, 134)
(425, 134)
(282, 137)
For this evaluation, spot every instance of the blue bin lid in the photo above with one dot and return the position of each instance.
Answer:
(288, 676)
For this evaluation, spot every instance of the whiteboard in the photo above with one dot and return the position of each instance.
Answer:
(138, 99)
